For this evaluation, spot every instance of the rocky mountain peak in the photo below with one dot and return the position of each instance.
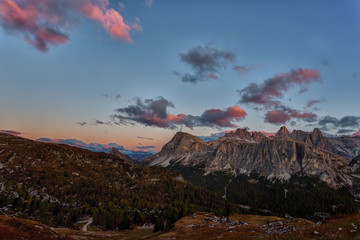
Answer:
(316, 136)
(282, 132)
(241, 133)
(186, 142)
(117, 153)
(244, 134)
(185, 139)
(182, 144)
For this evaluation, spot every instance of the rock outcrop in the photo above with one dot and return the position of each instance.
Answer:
(245, 152)
(117, 153)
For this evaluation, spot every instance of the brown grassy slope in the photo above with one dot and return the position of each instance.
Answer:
(17, 228)
(262, 227)
(62, 178)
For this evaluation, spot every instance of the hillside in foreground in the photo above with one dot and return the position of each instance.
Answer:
(59, 184)
(199, 226)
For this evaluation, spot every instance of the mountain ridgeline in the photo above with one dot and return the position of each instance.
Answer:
(297, 173)
(60, 184)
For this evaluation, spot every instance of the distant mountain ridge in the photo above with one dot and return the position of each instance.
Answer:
(139, 155)
(279, 156)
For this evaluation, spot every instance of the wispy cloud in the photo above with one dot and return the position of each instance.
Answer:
(314, 102)
(12, 132)
(206, 62)
(95, 122)
(145, 138)
(116, 96)
(145, 147)
(345, 131)
(242, 69)
(149, 3)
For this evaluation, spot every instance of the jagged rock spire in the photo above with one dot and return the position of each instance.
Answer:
(282, 132)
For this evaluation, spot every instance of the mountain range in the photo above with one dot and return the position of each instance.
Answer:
(280, 156)
(243, 160)
(290, 174)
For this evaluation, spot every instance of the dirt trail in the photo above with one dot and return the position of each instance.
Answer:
(88, 222)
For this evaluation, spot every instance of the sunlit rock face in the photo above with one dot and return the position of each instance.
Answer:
(282, 132)
(242, 151)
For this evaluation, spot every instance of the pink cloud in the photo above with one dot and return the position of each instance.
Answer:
(213, 76)
(28, 19)
(236, 112)
(111, 20)
(296, 114)
(43, 23)
(94, 12)
(277, 117)
(223, 118)
(282, 116)
(266, 93)
(356, 134)
(154, 112)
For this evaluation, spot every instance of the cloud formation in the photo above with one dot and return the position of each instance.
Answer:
(329, 122)
(117, 96)
(12, 132)
(345, 131)
(145, 138)
(44, 23)
(242, 70)
(284, 115)
(267, 93)
(356, 134)
(95, 122)
(145, 147)
(154, 112)
(314, 102)
(206, 62)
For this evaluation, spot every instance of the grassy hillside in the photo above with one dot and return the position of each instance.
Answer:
(59, 184)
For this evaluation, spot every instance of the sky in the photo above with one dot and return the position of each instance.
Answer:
(134, 72)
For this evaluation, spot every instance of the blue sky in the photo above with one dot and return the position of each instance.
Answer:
(47, 93)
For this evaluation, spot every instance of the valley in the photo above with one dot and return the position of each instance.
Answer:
(286, 182)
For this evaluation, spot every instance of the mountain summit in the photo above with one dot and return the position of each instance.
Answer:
(282, 132)
(245, 152)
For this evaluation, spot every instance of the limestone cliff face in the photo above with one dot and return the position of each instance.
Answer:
(244, 135)
(283, 132)
(344, 146)
(184, 148)
(245, 152)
